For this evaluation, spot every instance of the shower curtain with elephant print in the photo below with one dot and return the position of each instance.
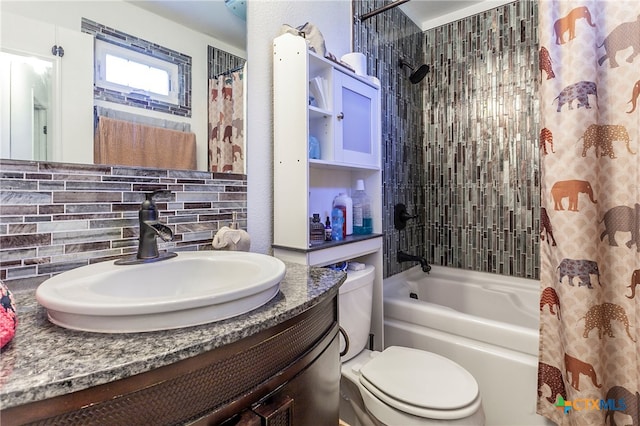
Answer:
(226, 123)
(589, 353)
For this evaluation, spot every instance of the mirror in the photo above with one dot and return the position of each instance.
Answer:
(165, 23)
(27, 102)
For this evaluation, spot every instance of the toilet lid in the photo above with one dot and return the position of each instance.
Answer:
(406, 377)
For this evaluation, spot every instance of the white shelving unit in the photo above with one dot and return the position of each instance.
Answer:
(345, 118)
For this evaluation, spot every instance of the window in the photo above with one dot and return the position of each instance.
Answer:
(127, 71)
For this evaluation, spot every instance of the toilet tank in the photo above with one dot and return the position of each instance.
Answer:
(355, 304)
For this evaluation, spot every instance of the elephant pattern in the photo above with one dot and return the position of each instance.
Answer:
(544, 63)
(634, 96)
(568, 23)
(214, 95)
(238, 124)
(581, 268)
(579, 91)
(236, 152)
(588, 113)
(552, 377)
(630, 407)
(227, 93)
(601, 136)
(600, 317)
(550, 297)
(228, 134)
(546, 136)
(622, 37)
(622, 219)
(545, 227)
(635, 281)
(576, 367)
(570, 189)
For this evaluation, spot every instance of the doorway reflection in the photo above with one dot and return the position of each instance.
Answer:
(26, 107)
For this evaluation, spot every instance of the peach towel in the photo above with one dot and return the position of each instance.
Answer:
(130, 144)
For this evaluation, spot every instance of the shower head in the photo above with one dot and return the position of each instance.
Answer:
(416, 76)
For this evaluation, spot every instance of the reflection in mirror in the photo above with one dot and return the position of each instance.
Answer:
(185, 27)
(27, 103)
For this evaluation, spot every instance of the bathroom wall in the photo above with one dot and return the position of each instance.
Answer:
(55, 217)
(468, 162)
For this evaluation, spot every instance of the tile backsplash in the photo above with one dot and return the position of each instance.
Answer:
(55, 216)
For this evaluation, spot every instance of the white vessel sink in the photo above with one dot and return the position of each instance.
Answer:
(190, 289)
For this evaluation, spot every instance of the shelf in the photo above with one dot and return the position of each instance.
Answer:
(348, 128)
(331, 251)
(317, 62)
(313, 110)
(323, 164)
(328, 244)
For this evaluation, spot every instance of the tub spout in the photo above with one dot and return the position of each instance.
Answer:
(404, 257)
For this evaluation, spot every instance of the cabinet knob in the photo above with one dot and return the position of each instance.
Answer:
(340, 116)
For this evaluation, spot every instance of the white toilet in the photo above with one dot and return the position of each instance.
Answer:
(398, 386)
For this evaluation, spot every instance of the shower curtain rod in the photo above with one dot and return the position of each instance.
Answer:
(232, 70)
(382, 9)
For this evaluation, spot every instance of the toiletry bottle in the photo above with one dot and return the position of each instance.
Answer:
(337, 220)
(316, 231)
(327, 229)
(314, 148)
(362, 219)
(344, 202)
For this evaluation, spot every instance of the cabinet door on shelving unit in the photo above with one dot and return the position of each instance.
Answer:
(357, 108)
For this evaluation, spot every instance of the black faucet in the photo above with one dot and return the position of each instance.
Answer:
(404, 257)
(150, 228)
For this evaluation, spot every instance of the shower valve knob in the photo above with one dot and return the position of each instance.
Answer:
(401, 216)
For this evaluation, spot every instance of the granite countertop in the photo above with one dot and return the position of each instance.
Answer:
(44, 360)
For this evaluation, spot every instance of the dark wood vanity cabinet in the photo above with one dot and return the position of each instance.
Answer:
(285, 375)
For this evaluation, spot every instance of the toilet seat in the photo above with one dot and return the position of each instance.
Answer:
(421, 383)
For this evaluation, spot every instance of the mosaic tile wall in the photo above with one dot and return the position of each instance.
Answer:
(55, 217)
(221, 61)
(139, 100)
(385, 39)
(473, 175)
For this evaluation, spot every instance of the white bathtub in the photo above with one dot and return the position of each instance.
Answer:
(487, 323)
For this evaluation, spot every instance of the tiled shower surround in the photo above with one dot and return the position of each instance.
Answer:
(220, 61)
(55, 217)
(461, 147)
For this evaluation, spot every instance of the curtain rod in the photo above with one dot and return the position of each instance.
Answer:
(232, 70)
(382, 9)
